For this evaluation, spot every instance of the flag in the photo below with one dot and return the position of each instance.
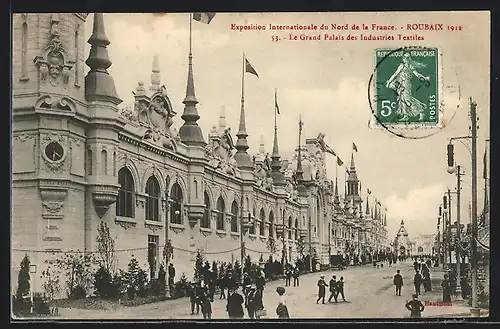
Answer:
(347, 171)
(339, 162)
(328, 149)
(277, 108)
(354, 147)
(203, 17)
(485, 167)
(249, 68)
(368, 191)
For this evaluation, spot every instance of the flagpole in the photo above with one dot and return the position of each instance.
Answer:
(190, 30)
(275, 109)
(243, 82)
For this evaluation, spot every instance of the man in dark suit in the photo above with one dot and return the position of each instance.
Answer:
(417, 281)
(415, 307)
(234, 305)
(398, 282)
(333, 289)
(321, 289)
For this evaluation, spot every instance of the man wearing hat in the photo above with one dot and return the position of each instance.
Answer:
(415, 307)
(321, 289)
(234, 305)
(251, 301)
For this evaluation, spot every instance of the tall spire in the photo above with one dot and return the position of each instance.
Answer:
(262, 148)
(155, 75)
(275, 156)
(222, 119)
(367, 206)
(190, 132)
(99, 85)
(242, 157)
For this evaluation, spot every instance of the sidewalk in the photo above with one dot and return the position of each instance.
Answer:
(458, 307)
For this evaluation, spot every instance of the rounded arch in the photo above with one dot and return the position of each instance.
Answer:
(125, 162)
(210, 194)
(222, 194)
(176, 178)
(154, 171)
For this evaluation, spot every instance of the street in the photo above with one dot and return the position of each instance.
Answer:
(369, 293)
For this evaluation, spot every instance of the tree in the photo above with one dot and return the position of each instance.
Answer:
(135, 278)
(198, 265)
(106, 256)
(23, 278)
(51, 286)
(247, 267)
(78, 269)
(237, 272)
(300, 246)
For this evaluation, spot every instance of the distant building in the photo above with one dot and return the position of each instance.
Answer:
(424, 244)
(402, 244)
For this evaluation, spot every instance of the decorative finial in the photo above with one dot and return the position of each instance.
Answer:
(99, 85)
(190, 132)
(155, 75)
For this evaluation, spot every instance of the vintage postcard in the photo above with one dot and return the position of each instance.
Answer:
(250, 166)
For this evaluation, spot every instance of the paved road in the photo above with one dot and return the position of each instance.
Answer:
(369, 293)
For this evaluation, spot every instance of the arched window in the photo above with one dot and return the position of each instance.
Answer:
(89, 162)
(176, 204)
(420, 249)
(290, 227)
(262, 223)
(125, 199)
(221, 208)
(297, 229)
(152, 199)
(104, 162)
(234, 217)
(205, 221)
(252, 224)
(271, 224)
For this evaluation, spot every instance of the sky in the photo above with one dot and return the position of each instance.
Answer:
(325, 82)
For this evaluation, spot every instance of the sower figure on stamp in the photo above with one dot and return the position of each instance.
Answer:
(400, 81)
(417, 281)
(415, 307)
(333, 289)
(321, 289)
(398, 282)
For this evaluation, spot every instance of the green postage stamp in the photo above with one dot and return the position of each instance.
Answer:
(408, 87)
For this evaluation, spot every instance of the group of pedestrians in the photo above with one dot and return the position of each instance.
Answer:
(336, 288)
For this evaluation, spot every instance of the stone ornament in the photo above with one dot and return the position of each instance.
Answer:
(220, 151)
(56, 141)
(154, 113)
(53, 65)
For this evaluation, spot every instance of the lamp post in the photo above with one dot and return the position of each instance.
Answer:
(475, 311)
(32, 271)
(167, 249)
(244, 227)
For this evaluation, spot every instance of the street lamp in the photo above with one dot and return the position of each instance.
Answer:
(473, 259)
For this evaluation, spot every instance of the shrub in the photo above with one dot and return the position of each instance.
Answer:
(181, 287)
(51, 285)
(157, 287)
(134, 279)
(23, 278)
(78, 292)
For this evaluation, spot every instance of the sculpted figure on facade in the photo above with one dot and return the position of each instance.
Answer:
(220, 151)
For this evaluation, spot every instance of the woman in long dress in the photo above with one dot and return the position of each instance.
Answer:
(400, 81)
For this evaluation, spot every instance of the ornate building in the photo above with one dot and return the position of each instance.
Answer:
(402, 244)
(79, 159)
(424, 244)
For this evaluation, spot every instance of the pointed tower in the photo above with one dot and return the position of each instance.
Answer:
(222, 120)
(367, 207)
(276, 173)
(262, 147)
(99, 85)
(155, 75)
(336, 196)
(190, 132)
(103, 128)
(242, 157)
(352, 184)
